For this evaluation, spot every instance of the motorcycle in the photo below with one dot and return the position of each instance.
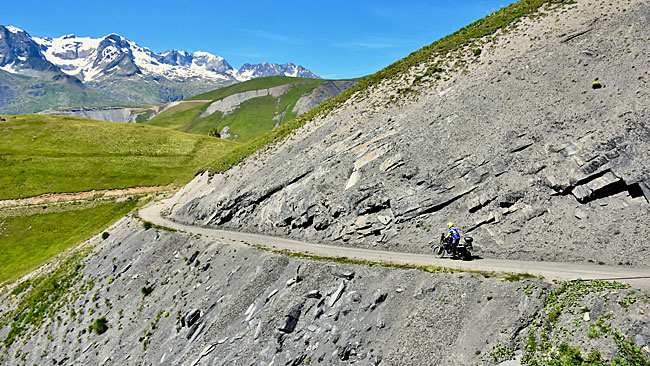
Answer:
(463, 250)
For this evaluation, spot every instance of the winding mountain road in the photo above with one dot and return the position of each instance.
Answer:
(639, 277)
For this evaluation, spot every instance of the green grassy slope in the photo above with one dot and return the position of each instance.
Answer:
(27, 242)
(253, 118)
(22, 94)
(43, 154)
(444, 47)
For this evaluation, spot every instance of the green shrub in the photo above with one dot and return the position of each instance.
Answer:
(596, 84)
(477, 52)
(105, 235)
(100, 326)
(147, 225)
(146, 290)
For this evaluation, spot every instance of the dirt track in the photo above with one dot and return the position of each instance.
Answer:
(56, 197)
(548, 270)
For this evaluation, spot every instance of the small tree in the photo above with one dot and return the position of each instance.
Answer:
(105, 235)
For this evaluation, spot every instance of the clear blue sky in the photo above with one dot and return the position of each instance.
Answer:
(335, 39)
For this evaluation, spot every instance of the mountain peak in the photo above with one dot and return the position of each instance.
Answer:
(14, 30)
(112, 61)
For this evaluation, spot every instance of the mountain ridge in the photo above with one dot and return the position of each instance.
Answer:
(121, 69)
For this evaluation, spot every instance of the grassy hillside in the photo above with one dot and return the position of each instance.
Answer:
(22, 94)
(29, 241)
(43, 154)
(253, 117)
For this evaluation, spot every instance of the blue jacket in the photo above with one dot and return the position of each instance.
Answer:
(453, 232)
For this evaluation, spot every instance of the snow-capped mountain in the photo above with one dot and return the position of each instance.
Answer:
(19, 54)
(248, 71)
(90, 59)
(118, 68)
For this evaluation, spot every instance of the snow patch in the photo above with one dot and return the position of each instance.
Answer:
(10, 68)
(13, 29)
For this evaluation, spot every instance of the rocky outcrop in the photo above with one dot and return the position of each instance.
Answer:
(110, 114)
(232, 102)
(20, 54)
(322, 92)
(508, 150)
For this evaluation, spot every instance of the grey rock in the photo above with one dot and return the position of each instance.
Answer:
(514, 362)
(194, 329)
(315, 294)
(580, 214)
(270, 295)
(193, 257)
(347, 275)
(336, 295)
(419, 294)
(190, 317)
(290, 321)
(381, 298)
(384, 219)
(639, 340)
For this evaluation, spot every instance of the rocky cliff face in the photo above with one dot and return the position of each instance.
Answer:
(20, 54)
(323, 92)
(537, 146)
(110, 114)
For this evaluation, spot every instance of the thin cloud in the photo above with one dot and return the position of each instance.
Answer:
(366, 45)
(271, 36)
(374, 43)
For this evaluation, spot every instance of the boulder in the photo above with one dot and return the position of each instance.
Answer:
(190, 317)
(580, 214)
(290, 321)
(337, 294)
(193, 257)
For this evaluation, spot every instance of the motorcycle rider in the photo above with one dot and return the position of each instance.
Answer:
(453, 236)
